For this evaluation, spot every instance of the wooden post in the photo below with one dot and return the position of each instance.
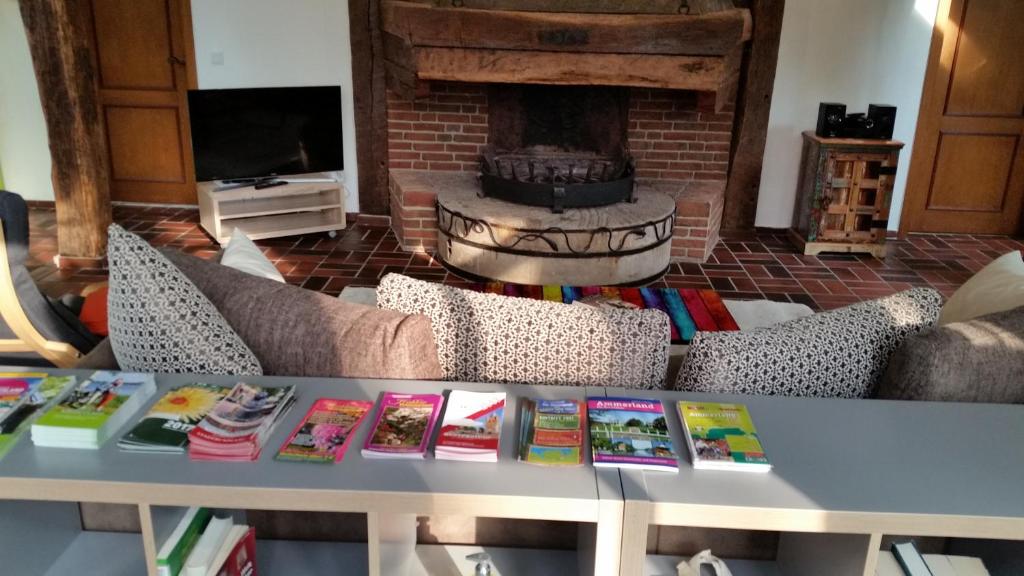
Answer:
(750, 129)
(370, 101)
(60, 39)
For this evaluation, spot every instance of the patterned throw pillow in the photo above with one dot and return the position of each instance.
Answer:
(837, 354)
(160, 322)
(493, 338)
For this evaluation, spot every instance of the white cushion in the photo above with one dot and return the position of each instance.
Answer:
(244, 256)
(995, 288)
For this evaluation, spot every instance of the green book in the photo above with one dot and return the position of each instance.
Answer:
(87, 416)
(722, 437)
(171, 557)
(166, 426)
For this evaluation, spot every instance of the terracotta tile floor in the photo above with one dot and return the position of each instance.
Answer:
(751, 265)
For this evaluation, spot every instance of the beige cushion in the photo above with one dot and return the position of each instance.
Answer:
(242, 254)
(494, 338)
(297, 332)
(995, 288)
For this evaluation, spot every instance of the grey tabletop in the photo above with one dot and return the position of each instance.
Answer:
(858, 455)
(508, 477)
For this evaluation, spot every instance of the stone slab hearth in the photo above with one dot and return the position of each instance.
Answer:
(416, 194)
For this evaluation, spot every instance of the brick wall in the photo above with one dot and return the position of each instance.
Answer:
(446, 130)
(677, 136)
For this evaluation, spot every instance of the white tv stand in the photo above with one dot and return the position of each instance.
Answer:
(312, 203)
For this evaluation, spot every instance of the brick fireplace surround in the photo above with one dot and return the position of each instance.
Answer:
(681, 147)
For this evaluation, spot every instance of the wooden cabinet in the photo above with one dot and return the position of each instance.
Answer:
(844, 194)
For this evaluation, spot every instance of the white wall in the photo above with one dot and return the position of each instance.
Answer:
(275, 43)
(24, 145)
(857, 53)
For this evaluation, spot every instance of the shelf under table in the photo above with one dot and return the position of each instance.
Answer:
(101, 554)
(662, 565)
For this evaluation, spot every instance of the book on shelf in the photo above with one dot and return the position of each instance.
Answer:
(13, 393)
(201, 560)
(239, 534)
(722, 437)
(630, 433)
(239, 425)
(241, 561)
(471, 427)
(170, 559)
(403, 426)
(166, 425)
(325, 433)
(910, 559)
(40, 392)
(551, 432)
(93, 410)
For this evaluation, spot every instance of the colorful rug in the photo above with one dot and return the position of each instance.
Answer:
(689, 310)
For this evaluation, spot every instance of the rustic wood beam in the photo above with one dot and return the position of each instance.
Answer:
(703, 73)
(708, 6)
(750, 129)
(60, 41)
(590, 6)
(370, 103)
(424, 25)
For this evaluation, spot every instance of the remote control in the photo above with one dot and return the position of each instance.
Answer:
(270, 184)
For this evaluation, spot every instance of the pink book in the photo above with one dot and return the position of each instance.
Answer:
(325, 432)
(403, 426)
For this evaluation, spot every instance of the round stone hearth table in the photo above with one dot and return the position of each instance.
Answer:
(624, 243)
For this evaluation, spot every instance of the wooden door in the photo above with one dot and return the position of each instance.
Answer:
(967, 169)
(146, 65)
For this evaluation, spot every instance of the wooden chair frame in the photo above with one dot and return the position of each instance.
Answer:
(61, 354)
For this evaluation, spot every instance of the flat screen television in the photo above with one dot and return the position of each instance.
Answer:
(254, 133)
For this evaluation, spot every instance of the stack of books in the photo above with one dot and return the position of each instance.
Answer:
(326, 431)
(238, 426)
(630, 433)
(551, 432)
(203, 545)
(403, 426)
(94, 410)
(722, 437)
(36, 392)
(165, 428)
(471, 429)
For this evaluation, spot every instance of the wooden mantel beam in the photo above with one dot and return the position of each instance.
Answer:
(60, 40)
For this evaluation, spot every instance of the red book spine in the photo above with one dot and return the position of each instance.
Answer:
(242, 560)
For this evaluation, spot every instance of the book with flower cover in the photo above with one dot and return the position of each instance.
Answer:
(238, 426)
(471, 428)
(165, 428)
(403, 426)
(551, 432)
(326, 432)
(630, 433)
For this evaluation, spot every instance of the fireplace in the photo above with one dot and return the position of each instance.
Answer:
(585, 168)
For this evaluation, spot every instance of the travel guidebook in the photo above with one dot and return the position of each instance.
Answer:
(238, 426)
(166, 426)
(471, 429)
(630, 433)
(326, 431)
(551, 432)
(722, 437)
(94, 410)
(403, 426)
(36, 392)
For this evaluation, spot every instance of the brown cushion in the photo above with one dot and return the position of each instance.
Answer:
(297, 332)
(981, 360)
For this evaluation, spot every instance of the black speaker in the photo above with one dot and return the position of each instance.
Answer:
(830, 119)
(884, 117)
